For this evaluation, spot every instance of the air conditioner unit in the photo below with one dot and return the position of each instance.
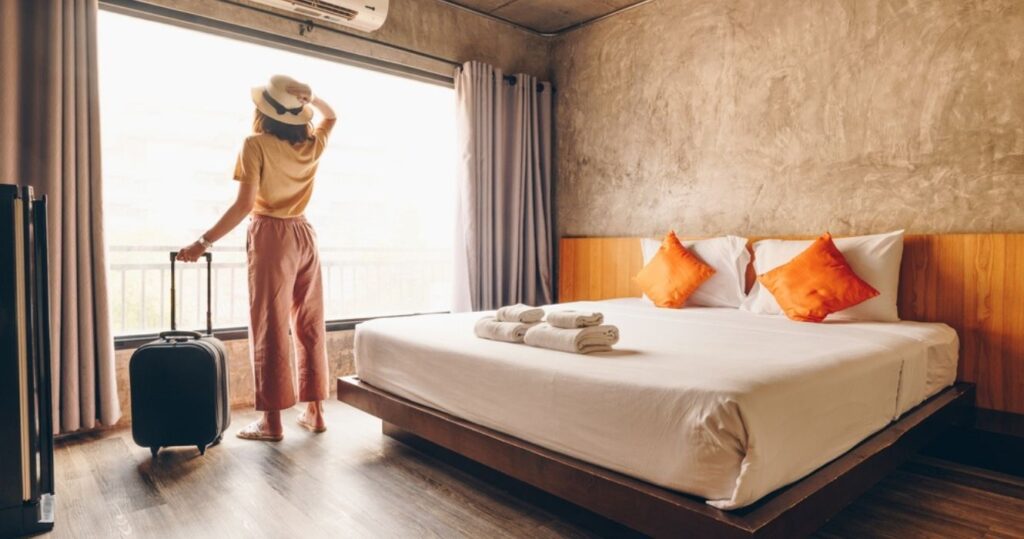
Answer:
(365, 15)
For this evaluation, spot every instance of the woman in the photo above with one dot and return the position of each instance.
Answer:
(275, 171)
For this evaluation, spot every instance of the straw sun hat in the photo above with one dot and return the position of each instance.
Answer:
(274, 100)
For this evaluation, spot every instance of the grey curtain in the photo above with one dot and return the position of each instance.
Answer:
(504, 244)
(49, 139)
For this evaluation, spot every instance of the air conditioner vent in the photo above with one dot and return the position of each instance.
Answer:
(324, 7)
(365, 15)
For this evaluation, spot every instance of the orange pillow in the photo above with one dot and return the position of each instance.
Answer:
(816, 283)
(673, 274)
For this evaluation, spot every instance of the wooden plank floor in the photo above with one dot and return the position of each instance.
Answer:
(353, 482)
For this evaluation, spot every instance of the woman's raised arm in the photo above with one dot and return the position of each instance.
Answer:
(323, 108)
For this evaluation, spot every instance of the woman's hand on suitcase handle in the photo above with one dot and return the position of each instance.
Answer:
(243, 204)
(191, 253)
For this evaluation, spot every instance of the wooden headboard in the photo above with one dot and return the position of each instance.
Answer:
(973, 282)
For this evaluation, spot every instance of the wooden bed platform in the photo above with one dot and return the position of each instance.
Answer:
(968, 281)
(793, 511)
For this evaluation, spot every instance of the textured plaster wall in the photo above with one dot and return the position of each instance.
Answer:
(441, 30)
(764, 117)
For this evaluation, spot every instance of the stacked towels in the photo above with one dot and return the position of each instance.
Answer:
(519, 313)
(491, 328)
(509, 324)
(575, 319)
(579, 332)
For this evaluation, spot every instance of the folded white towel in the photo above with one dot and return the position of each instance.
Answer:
(490, 328)
(581, 340)
(520, 313)
(575, 319)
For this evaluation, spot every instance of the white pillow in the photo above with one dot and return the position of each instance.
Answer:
(876, 259)
(730, 258)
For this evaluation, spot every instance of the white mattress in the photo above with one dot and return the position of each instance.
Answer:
(719, 403)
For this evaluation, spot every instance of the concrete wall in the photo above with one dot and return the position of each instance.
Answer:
(438, 29)
(779, 117)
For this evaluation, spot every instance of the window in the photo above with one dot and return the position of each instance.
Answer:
(175, 108)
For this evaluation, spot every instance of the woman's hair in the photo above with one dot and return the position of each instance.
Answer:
(261, 123)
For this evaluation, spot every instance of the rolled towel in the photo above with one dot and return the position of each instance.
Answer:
(575, 319)
(520, 313)
(580, 340)
(490, 328)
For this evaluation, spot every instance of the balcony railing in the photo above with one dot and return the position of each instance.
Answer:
(358, 283)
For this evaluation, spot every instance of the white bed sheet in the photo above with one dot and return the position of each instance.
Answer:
(719, 403)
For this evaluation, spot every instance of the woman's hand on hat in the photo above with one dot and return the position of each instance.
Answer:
(301, 91)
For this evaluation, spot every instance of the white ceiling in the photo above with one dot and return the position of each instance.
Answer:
(546, 16)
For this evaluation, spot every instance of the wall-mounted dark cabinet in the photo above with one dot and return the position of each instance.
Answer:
(26, 415)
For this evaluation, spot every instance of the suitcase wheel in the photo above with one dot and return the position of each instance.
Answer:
(154, 450)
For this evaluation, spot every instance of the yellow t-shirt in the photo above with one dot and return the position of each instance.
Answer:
(282, 172)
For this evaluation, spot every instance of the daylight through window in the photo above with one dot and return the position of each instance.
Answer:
(173, 120)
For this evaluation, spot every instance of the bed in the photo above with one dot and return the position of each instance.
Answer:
(718, 403)
(765, 440)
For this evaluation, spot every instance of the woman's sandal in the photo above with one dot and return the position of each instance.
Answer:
(254, 431)
(311, 427)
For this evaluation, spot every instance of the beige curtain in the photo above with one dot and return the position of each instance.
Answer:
(504, 244)
(49, 139)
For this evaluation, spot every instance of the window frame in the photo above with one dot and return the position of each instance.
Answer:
(202, 23)
(161, 14)
(131, 342)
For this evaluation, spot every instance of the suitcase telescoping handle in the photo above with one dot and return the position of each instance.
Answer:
(177, 333)
(209, 301)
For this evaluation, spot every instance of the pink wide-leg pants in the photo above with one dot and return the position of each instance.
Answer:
(285, 290)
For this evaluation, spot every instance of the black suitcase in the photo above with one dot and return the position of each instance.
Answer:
(179, 385)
